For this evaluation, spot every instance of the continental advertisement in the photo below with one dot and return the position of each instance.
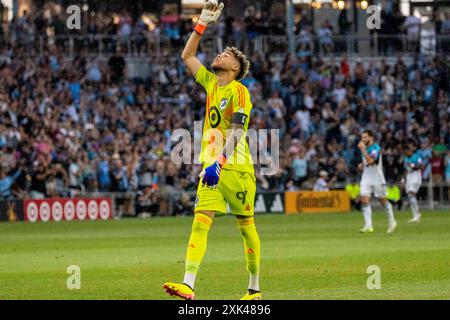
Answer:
(317, 202)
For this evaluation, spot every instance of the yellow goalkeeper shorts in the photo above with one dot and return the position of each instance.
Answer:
(237, 188)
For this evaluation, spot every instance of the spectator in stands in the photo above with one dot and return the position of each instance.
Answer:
(39, 175)
(276, 106)
(57, 180)
(343, 23)
(437, 167)
(103, 173)
(74, 173)
(117, 66)
(299, 167)
(325, 34)
(412, 26)
(6, 183)
(321, 183)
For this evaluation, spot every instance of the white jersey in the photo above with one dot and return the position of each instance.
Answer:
(373, 174)
(372, 180)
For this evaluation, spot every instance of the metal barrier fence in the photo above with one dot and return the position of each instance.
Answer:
(431, 196)
(152, 45)
(351, 45)
(89, 45)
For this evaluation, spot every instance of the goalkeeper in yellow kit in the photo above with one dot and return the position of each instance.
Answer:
(227, 175)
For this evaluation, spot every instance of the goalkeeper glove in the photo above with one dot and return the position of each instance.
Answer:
(210, 14)
(211, 174)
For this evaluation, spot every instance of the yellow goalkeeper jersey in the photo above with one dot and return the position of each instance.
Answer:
(224, 105)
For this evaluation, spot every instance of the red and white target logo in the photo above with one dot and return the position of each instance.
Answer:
(57, 211)
(81, 210)
(69, 210)
(105, 210)
(44, 211)
(93, 210)
(32, 212)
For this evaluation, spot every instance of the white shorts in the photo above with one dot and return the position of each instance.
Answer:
(413, 182)
(378, 190)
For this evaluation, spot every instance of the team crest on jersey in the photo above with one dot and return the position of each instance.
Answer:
(223, 103)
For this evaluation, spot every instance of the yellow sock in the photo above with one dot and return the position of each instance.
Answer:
(196, 247)
(252, 248)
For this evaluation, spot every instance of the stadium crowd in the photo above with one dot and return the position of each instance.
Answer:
(81, 126)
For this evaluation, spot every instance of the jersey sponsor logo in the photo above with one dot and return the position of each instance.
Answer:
(223, 103)
(214, 117)
(248, 207)
(250, 251)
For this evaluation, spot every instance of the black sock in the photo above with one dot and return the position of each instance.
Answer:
(251, 291)
(188, 286)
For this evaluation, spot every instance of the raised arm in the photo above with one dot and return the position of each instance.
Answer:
(189, 54)
(210, 14)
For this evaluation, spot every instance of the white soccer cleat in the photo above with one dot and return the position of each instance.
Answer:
(391, 227)
(416, 219)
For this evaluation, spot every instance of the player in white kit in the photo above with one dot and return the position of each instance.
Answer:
(413, 165)
(373, 182)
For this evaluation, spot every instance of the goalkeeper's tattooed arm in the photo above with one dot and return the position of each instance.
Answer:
(210, 14)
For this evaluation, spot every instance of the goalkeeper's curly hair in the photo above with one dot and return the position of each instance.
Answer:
(243, 61)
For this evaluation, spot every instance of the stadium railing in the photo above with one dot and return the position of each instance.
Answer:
(153, 45)
(351, 45)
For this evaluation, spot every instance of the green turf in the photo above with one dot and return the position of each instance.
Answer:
(303, 257)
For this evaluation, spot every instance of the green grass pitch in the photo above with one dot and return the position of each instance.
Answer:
(303, 257)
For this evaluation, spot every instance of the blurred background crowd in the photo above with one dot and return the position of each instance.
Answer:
(81, 125)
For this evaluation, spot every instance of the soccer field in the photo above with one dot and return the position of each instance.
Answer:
(303, 257)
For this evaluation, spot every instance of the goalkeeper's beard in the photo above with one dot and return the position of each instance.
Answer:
(217, 69)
